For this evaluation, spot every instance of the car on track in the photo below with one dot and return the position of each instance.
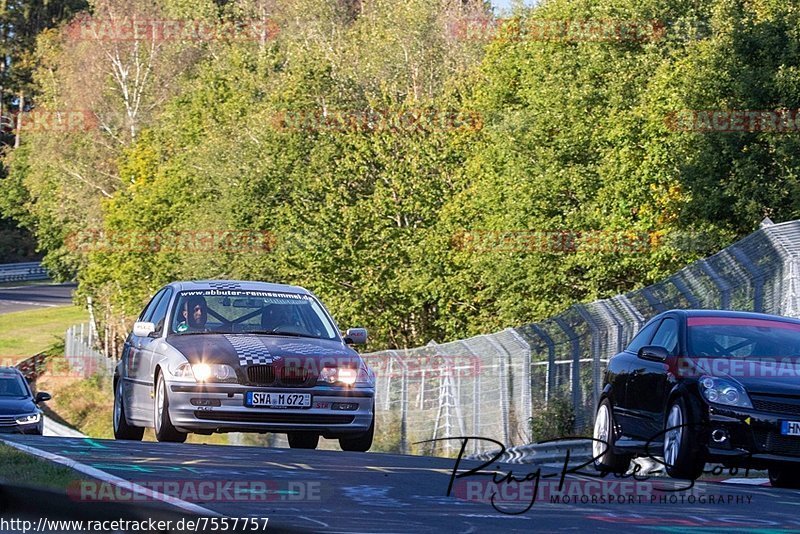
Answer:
(19, 407)
(235, 356)
(697, 386)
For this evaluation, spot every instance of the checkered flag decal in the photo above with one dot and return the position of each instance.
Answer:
(227, 286)
(251, 350)
(307, 349)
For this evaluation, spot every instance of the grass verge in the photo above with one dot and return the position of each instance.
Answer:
(17, 467)
(25, 333)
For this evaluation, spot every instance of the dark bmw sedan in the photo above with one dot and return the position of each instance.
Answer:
(19, 410)
(697, 386)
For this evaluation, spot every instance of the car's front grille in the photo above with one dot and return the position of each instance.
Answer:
(294, 376)
(765, 405)
(261, 375)
(775, 443)
(261, 417)
(8, 420)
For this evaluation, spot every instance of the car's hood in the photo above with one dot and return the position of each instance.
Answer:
(776, 376)
(16, 406)
(240, 350)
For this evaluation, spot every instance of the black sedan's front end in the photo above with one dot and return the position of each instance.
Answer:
(19, 410)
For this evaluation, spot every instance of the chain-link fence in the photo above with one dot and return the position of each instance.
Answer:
(83, 358)
(491, 385)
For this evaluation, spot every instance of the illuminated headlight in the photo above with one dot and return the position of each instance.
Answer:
(345, 375)
(724, 391)
(214, 372)
(29, 419)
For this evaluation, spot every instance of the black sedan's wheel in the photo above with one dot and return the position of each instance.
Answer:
(164, 429)
(785, 476)
(681, 456)
(605, 459)
(303, 440)
(122, 429)
(361, 443)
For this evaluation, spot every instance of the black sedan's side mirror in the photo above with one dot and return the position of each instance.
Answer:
(42, 396)
(653, 353)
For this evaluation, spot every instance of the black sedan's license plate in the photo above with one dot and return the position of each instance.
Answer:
(259, 399)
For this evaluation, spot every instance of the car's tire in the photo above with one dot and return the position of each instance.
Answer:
(784, 476)
(605, 459)
(682, 456)
(164, 429)
(361, 442)
(123, 429)
(303, 440)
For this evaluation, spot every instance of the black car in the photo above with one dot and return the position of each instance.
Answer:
(19, 410)
(697, 386)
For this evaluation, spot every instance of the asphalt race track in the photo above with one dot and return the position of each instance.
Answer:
(20, 298)
(330, 491)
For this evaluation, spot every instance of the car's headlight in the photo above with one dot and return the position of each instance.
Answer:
(205, 372)
(214, 372)
(344, 375)
(724, 391)
(29, 419)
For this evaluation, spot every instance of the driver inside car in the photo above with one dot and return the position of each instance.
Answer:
(195, 315)
(277, 317)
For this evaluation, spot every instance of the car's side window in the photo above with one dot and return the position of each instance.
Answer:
(667, 335)
(147, 313)
(642, 338)
(160, 313)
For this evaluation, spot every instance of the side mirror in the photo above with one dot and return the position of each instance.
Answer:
(356, 336)
(42, 396)
(143, 329)
(653, 353)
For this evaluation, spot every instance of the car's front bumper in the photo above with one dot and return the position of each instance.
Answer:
(15, 428)
(752, 438)
(233, 416)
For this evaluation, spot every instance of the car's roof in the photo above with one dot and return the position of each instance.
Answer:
(246, 285)
(9, 370)
(734, 313)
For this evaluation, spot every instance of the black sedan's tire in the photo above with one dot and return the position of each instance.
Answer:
(123, 429)
(360, 443)
(785, 476)
(682, 457)
(303, 440)
(165, 431)
(605, 459)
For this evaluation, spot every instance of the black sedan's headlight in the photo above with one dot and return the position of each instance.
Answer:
(31, 419)
(724, 391)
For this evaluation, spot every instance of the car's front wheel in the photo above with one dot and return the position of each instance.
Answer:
(682, 458)
(360, 443)
(165, 431)
(122, 429)
(784, 476)
(303, 440)
(605, 459)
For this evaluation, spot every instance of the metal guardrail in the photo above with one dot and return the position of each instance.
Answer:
(580, 450)
(22, 272)
(32, 367)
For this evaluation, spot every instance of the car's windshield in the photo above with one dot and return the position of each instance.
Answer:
(242, 311)
(11, 385)
(740, 337)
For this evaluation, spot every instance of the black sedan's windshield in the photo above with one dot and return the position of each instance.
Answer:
(250, 312)
(11, 385)
(727, 337)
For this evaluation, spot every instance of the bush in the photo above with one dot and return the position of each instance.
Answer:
(553, 420)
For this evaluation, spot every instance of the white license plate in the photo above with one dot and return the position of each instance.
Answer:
(277, 400)
(790, 428)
